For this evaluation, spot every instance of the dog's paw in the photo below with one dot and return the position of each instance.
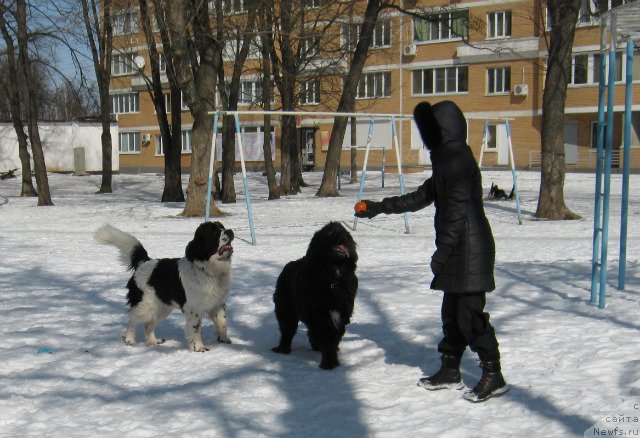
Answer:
(329, 365)
(224, 340)
(157, 341)
(128, 341)
(199, 349)
(281, 350)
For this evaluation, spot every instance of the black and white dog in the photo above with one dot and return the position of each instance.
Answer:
(197, 283)
(319, 289)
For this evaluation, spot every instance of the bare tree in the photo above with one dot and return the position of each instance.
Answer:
(347, 100)
(13, 94)
(29, 104)
(303, 49)
(238, 32)
(170, 134)
(265, 25)
(195, 50)
(99, 33)
(564, 16)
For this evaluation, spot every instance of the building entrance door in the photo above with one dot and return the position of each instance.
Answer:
(308, 141)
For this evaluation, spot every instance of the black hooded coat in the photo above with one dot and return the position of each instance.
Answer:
(465, 250)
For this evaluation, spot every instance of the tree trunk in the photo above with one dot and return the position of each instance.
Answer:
(42, 181)
(99, 34)
(13, 93)
(196, 76)
(228, 189)
(264, 22)
(354, 153)
(172, 149)
(551, 203)
(347, 101)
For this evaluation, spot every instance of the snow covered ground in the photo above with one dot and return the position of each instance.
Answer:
(64, 370)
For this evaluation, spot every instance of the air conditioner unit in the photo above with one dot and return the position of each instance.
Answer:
(521, 90)
(410, 50)
(146, 137)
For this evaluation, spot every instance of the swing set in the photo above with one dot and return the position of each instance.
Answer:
(392, 118)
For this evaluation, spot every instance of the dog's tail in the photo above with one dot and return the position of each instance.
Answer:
(132, 253)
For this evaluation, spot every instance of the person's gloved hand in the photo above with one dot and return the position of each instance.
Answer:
(436, 267)
(439, 258)
(367, 209)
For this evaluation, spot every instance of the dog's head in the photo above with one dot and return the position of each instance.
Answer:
(333, 243)
(211, 242)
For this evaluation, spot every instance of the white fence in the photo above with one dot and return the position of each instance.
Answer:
(58, 142)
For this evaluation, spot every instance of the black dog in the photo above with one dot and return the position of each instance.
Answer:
(496, 193)
(319, 289)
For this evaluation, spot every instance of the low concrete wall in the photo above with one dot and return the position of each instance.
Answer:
(58, 142)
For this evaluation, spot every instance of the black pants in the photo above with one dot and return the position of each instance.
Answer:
(465, 323)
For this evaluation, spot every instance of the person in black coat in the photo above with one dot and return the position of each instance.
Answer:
(463, 261)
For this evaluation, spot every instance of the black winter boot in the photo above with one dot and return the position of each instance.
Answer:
(448, 377)
(491, 383)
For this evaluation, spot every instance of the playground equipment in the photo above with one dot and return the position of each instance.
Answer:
(485, 144)
(236, 114)
(622, 23)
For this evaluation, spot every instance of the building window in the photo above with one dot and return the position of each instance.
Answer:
(381, 34)
(233, 6)
(580, 69)
(498, 80)
(311, 4)
(125, 23)
(491, 137)
(122, 64)
(250, 92)
(159, 145)
(373, 85)
(186, 147)
(499, 24)
(186, 141)
(125, 103)
(596, 70)
(129, 141)
(444, 26)
(441, 80)
(310, 92)
(184, 106)
(310, 46)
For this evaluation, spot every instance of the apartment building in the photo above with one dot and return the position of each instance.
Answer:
(488, 56)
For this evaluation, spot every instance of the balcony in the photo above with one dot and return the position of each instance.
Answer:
(499, 50)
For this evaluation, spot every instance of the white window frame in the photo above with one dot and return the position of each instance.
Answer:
(125, 23)
(381, 34)
(187, 147)
(125, 103)
(310, 46)
(499, 24)
(441, 28)
(499, 80)
(311, 4)
(441, 74)
(374, 85)
(310, 92)
(122, 64)
(128, 138)
(593, 68)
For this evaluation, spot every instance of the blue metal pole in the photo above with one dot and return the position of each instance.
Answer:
(400, 175)
(212, 160)
(607, 175)
(245, 184)
(597, 211)
(628, 102)
(363, 173)
(513, 171)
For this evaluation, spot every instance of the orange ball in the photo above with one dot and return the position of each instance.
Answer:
(360, 207)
